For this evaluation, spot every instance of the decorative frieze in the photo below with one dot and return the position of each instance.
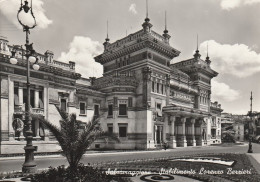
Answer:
(181, 96)
(115, 81)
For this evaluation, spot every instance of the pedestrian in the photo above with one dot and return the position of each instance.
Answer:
(165, 145)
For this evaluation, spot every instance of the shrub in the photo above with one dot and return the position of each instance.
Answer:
(81, 174)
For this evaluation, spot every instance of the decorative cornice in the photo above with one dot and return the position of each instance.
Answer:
(147, 40)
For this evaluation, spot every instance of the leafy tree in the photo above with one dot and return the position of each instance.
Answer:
(228, 136)
(73, 139)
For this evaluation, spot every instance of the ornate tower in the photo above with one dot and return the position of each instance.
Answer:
(200, 74)
(106, 43)
(165, 32)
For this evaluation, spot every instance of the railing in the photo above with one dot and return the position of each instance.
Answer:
(4, 57)
(125, 40)
(158, 36)
(21, 109)
(38, 111)
(62, 65)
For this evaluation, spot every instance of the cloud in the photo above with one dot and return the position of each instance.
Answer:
(231, 4)
(238, 59)
(9, 8)
(222, 91)
(132, 9)
(82, 50)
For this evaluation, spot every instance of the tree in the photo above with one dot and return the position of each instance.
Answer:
(228, 136)
(73, 139)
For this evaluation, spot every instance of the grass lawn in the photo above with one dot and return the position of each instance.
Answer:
(240, 170)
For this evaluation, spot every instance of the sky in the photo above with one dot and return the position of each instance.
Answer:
(75, 31)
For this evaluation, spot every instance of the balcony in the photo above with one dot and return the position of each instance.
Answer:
(21, 110)
(183, 86)
(39, 111)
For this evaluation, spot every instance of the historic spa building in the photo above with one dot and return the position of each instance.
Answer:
(143, 98)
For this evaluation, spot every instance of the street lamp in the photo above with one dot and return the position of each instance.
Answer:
(250, 148)
(29, 165)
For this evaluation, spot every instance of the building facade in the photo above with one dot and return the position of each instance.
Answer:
(234, 124)
(143, 98)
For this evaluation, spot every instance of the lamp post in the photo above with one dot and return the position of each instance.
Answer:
(29, 166)
(250, 148)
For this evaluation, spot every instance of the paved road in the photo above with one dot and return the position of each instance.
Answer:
(15, 164)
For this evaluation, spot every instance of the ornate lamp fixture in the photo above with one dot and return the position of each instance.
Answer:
(29, 165)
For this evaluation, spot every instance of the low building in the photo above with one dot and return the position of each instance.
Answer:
(215, 124)
(236, 123)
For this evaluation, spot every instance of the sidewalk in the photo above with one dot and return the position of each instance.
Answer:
(255, 160)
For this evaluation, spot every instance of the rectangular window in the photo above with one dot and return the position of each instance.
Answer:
(24, 96)
(82, 107)
(110, 110)
(158, 106)
(213, 133)
(63, 104)
(162, 89)
(122, 131)
(110, 128)
(159, 109)
(16, 98)
(158, 87)
(96, 110)
(122, 110)
(152, 86)
(41, 101)
(32, 98)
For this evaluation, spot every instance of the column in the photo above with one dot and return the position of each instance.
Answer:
(160, 134)
(193, 131)
(155, 134)
(198, 132)
(37, 129)
(183, 141)
(20, 96)
(46, 109)
(172, 129)
(9, 110)
(165, 126)
(36, 105)
(36, 98)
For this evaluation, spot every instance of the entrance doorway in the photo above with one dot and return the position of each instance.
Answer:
(158, 134)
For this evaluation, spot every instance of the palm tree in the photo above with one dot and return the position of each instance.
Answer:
(74, 140)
